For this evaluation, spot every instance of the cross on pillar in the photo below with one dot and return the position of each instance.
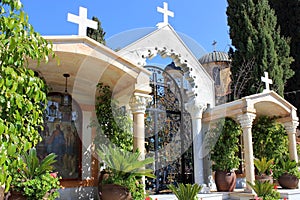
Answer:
(82, 21)
(166, 14)
(267, 82)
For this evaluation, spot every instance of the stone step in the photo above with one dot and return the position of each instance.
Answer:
(241, 196)
(208, 196)
(290, 194)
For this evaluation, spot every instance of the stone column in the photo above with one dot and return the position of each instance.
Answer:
(196, 111)
(246, 122)
(290, 128)
(138, 103)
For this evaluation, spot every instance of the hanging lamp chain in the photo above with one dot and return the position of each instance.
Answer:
(66, 86)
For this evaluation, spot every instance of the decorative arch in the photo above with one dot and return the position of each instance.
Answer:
(167, 43)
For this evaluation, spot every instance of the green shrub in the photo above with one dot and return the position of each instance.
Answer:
(185, 191)
(125, 169)
(265, 190)
(263, 165)
(115, 124)
(223, 141)
(269, 139)
(35, 179)
(22, 94)
(286, 166)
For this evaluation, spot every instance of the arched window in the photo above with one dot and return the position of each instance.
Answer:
(61, 135)
(216, 75)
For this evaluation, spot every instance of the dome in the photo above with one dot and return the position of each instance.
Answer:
(215, 56)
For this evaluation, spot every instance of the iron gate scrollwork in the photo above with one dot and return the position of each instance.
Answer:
(168, 133)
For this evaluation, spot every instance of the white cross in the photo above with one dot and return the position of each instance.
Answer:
(82, 21)
(267, 81)
(166, 13)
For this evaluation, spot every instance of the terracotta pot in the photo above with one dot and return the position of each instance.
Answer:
(225, 181)
(264, 178)
(114, 192)
(288, 181)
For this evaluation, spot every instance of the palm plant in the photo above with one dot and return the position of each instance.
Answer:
(264, 189)
(34, 178)
(125, 168)
(124, 164)
(185, 191)
(34, 167)
(262, 165)
(287, 166)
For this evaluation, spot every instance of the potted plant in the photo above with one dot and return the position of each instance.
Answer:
(35, 179)
(185, 191)
(124, 172)
(287, 173)
(264, 190)
(223, 143)
(263, 168)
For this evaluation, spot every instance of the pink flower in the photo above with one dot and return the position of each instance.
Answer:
(54, 174)
(275, 187)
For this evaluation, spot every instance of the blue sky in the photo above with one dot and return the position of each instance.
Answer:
(202, 20)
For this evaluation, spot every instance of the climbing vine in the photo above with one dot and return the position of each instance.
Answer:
(115, 124)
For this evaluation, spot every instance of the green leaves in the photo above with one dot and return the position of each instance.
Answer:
(124, 163)
(33, 177)
(264, 189)
(125, 168)
(285, 165)
(223, 141)
(258, 46)
(114, 122)
(185, 191)
(269, 139)
(262, 165)
(21, 93)
(34, 167)
(97, 35)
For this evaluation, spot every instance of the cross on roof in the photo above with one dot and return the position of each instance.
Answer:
(166, 14)
(82, 21)
(214, 45)
(267, 81)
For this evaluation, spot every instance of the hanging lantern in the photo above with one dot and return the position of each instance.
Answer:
(66, 98)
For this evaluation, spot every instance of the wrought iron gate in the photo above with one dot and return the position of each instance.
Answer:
(168, 133)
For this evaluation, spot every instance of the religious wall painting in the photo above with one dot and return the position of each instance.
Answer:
(61, 135)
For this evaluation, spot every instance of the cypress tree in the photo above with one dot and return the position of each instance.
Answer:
(98, 34)
(288, 16)
(257, 40)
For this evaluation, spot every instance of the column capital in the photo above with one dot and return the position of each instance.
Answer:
(138, 102)
(246, 119)
(291, 126)
(195, 109)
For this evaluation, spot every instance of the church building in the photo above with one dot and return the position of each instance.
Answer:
(175, 105)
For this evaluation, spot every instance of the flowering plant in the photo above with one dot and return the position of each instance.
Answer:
(35, 179)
